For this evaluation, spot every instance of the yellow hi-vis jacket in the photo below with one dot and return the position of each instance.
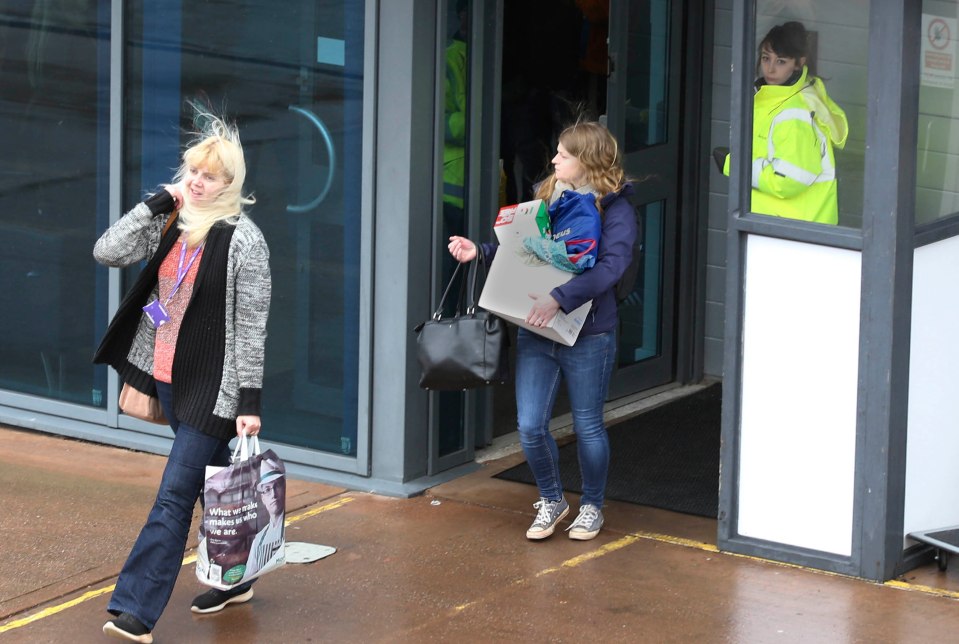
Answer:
(454, 144)
(795, 128)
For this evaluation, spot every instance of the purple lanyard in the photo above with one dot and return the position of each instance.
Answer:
(181, 270)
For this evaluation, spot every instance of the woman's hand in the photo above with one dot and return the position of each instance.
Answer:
(176, 193)
(462, 249)
(543, 311)
(248, 425)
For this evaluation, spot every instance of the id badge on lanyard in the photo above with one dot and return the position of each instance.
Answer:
(156, 310)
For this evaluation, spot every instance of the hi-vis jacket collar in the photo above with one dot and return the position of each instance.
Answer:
(828, 116)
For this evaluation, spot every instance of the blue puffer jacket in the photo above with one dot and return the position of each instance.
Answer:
(598, 283)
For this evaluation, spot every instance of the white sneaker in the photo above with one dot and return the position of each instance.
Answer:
(588, 524)
(548, 515)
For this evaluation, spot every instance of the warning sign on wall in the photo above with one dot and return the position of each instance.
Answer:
(938, 55)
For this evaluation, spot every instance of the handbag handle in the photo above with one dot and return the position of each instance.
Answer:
(474, 269)
(438, 313)
(471, 288)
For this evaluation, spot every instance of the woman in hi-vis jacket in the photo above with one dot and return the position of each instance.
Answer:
(796, 126)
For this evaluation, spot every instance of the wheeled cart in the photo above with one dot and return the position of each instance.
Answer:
(944, 540)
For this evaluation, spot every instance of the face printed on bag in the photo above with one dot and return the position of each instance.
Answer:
(567, 168)
(201, 185)
(272, 493)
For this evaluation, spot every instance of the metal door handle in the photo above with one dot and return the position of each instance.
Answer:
(328, 140)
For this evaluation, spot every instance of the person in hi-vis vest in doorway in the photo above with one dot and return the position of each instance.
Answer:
(796, 126)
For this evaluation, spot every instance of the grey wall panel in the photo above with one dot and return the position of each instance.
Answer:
(718, 186)
(715, 276)
(716, 249)
(714, 353)
(716, 319)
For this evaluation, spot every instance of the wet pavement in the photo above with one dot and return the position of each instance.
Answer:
(450, 565)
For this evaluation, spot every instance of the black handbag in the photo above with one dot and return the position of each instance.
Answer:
(467, 350)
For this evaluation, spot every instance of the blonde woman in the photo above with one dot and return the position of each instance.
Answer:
(587, 161)
(192, 331)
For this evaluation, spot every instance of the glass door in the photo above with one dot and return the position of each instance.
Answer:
(643, 98)
(54, 175)
(294, 82)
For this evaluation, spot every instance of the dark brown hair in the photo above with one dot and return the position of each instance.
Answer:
(788, 40)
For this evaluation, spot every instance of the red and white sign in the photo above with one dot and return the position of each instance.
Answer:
(938, 55)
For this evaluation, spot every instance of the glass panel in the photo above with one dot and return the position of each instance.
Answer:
(54, 116)
(640, 313)
(937, 167)
(293, 81)
(647, 87)
(809, 117)
(451, 415)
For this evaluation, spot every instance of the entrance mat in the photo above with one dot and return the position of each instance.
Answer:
(667, 457)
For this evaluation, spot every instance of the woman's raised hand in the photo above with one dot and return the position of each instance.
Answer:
(177, 193)
(462, 249)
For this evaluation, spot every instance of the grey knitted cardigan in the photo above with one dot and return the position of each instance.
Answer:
(218, 363)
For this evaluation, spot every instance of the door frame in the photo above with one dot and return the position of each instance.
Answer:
(482, 193)
(693, 192)
(687, 302)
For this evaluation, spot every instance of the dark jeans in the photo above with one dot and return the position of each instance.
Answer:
(147, 579)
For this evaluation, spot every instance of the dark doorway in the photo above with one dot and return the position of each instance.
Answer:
(554, 72)
(638, 67)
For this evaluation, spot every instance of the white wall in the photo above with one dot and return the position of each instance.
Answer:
(932, 450)
(799, 388)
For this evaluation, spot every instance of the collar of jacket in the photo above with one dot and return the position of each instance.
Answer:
(625, 191)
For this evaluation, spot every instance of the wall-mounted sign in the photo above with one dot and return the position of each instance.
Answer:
(938, 54)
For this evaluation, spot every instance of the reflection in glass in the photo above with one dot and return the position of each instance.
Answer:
(647, 80)
(293, 81)
(640, 313)
(54, 117)
(937, 168)
(455, 131)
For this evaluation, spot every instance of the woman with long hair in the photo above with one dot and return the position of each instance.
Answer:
(191, 331)
(587, 161)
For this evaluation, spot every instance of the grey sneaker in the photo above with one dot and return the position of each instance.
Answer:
(548, 515)
(587, 524)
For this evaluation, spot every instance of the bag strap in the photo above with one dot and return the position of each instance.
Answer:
(246, 448)
(480, 259)
(439, 307)
(474, 269)
(169, 222)
(575, 257)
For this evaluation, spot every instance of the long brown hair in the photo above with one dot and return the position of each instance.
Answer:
(597, 151)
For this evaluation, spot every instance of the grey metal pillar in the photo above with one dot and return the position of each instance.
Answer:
(887, 257)
(403, 201)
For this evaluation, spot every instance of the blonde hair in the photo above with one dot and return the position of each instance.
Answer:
(215, 147)
(597, 151)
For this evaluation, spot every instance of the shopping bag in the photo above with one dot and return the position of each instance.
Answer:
(575, 221)
(242, 532)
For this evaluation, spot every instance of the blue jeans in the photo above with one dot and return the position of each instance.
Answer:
(147, 579)
(586, 366)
